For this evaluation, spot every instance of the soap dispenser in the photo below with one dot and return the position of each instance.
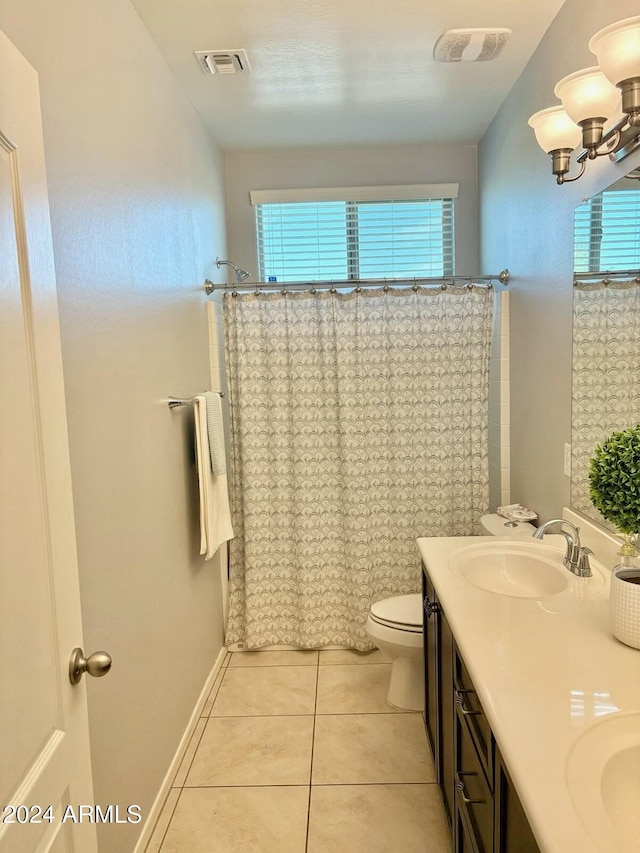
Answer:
(624, 599)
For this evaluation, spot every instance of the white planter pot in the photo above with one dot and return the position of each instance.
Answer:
(625, 605)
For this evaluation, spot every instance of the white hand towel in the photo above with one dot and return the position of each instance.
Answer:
(215, 431)
(215, 515)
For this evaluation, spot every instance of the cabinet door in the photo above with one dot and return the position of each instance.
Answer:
(512, 831)
(447, 716)
(431, 673)
(474, 801)
(463, 840)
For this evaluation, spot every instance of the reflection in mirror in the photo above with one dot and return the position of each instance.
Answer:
(606, 327)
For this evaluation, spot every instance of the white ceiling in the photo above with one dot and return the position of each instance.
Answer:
(342, 72)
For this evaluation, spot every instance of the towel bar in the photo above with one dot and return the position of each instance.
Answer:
(174, 402)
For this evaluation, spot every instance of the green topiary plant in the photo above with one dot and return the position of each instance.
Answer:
(614, 477)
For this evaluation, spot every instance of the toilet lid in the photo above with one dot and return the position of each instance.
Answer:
(401, 610)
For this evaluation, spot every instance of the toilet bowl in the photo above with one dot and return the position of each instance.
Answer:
(395, 626)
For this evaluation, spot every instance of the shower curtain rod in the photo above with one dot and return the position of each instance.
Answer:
(605, 275)
(417, 281)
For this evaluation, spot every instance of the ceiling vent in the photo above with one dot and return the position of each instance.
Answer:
(475, 45)
(223, 61)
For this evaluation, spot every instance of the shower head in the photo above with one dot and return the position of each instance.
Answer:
(240, 273)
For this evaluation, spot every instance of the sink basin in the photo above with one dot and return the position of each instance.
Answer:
(516, 569)
(603, 776)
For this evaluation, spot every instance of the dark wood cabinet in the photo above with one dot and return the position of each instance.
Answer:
(474, 799)
(511, 830)
(447, 717)
(431, 632)
(480, 800)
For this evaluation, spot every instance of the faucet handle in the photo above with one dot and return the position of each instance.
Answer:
(583, 567)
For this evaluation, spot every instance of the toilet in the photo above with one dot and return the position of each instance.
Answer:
(395, 627)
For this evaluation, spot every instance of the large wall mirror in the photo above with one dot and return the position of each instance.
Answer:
(606, 327)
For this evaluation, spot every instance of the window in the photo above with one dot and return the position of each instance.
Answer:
(371, 232)
(607, 232)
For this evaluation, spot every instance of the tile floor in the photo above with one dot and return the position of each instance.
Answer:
(298, 752)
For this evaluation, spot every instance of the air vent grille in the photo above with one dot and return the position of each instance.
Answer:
(223, 61)
(475, 45)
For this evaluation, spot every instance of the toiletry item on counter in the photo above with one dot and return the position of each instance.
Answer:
(624, 598)
(517, 512)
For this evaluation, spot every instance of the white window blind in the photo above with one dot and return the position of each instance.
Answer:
(333, 239)
(607, 232)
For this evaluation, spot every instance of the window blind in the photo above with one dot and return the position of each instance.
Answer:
(607, 232)
(355, 239)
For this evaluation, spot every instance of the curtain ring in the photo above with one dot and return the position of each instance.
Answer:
(490, 285)
(358, 289)
(256, 292)
(284, 291)
(332, 289)
(443, 286)
(607, 282)
(470, 287)
(234, 293)
(313, 290)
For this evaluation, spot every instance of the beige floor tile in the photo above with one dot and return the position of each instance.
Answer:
(377, 819)
(335, 657)
(274, 658)
(155, 842)
(354, 690)
(208, 705)
(239, 820)
(185, 764)
(257, 691)
(369, 748)
(254, 751)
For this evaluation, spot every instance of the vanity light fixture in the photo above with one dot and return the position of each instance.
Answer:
(607, 94)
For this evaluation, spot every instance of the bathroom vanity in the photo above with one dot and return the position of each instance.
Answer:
(520, 670)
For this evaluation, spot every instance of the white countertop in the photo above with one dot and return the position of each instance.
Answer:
(544, 671)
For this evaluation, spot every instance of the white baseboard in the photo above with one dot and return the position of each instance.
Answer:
(167, 782)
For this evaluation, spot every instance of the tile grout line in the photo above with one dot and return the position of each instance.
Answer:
(313, 743)
(173, 811)
(293, 785)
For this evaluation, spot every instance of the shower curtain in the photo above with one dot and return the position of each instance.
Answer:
(606, 375)
(358, 423)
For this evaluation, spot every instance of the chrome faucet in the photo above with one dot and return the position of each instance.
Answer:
(576, 558)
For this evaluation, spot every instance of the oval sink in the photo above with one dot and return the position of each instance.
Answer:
(603, 776)
(516, 569)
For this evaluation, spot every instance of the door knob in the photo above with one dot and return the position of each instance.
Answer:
(97, 665)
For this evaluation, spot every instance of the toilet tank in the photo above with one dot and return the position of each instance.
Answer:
(495, 525)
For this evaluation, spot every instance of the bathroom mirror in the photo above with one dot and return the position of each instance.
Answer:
(606, 327)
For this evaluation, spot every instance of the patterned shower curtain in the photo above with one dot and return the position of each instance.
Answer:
(606, 375)
(358, 423)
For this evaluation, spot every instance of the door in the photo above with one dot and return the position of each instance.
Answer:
(44, 744)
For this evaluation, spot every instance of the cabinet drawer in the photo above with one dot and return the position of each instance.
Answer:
(474, 800)
(470, 710)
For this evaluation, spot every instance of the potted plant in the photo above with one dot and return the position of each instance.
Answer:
(614, 478)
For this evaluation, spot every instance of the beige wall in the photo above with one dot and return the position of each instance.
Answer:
(137, 207)
(527, 225)
(347, 167)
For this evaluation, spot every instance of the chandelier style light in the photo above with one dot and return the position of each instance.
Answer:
(607, 94)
